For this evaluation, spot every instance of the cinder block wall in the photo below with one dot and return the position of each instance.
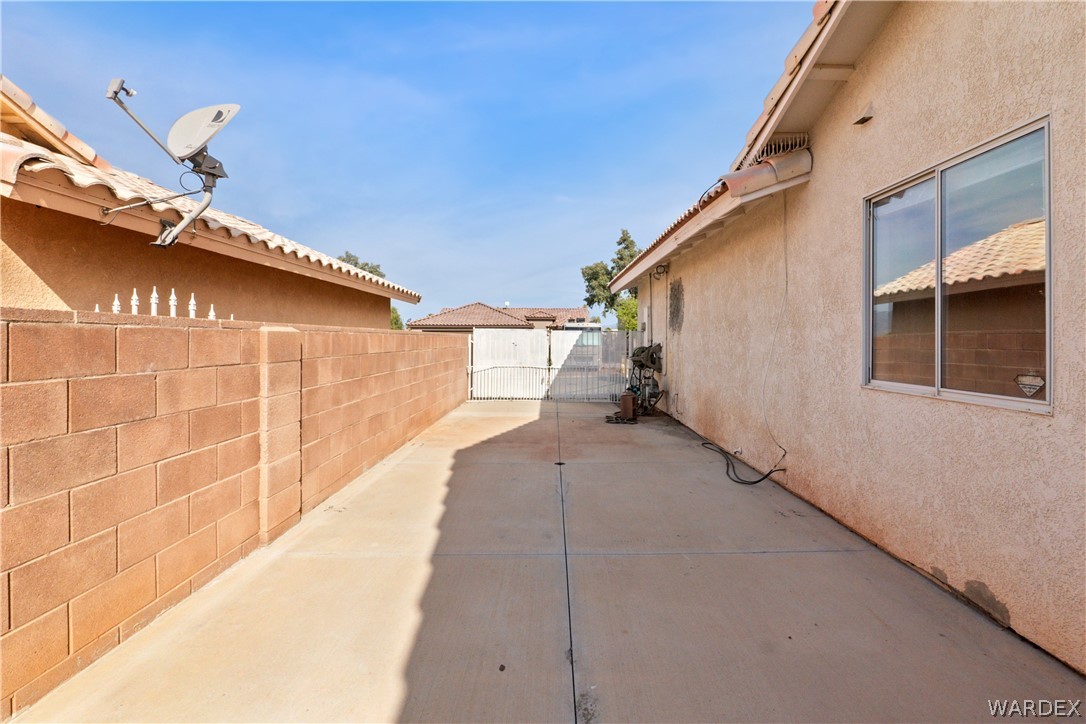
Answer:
(140, 457)
(365, 394)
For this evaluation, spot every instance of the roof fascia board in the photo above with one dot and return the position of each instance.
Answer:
(720, 208)
(53, 134)
(726, 206)
(29, 189)
(767, 124)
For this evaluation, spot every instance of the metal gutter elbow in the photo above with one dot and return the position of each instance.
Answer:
(772, 171)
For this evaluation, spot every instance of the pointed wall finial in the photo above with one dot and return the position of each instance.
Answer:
(173, 303)
(154, 301)
(116, 303)
(192, 306)
(211, 312)
(135, 302)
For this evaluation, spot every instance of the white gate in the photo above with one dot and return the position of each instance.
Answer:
(539, 364)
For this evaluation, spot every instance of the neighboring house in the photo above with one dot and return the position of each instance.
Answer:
(937, 409)
(58, 250)
(479, 315)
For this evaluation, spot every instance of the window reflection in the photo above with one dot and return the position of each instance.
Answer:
(903, 268)
(993, 232)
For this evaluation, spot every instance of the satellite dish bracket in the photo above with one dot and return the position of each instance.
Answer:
(209, 168)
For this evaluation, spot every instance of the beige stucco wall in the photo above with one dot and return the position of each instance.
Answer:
(992, 501)
(52, 260)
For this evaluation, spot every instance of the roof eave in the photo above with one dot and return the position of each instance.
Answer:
(714, 216)
(79, 202)
(815, 68)
(839, 33)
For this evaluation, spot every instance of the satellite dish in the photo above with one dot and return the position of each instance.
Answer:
(187, 141)
(195, 129)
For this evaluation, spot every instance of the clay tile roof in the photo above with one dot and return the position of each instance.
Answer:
(1018, 249)
(22, 155)
(560, 315)
(29, 121)
(468, 316)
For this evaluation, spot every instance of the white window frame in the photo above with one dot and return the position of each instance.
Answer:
(935, 172)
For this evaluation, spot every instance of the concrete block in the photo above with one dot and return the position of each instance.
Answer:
(152, 349)
(33, 410)
(105, 606)
(104, 504)
(33, 529)
(47, 351)
(45, 583)
(37, 469)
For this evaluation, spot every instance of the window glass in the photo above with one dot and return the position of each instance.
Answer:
(993, 268)
(903, 271)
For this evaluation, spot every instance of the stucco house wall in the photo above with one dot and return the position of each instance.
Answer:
(54, 260)
(766, 346)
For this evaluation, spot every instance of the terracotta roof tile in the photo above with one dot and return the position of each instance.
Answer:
(478, 314)
(560, 315)
(471, 315)
(1018, 249)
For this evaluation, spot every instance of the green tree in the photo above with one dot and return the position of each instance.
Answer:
(627, 252)
(598, 276)
(626, 311)
(395, 320)
(349, 258)
(366, 266)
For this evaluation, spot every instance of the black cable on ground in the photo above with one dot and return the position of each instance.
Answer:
(730, 460)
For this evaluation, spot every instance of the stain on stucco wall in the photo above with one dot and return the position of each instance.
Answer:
(675, 305)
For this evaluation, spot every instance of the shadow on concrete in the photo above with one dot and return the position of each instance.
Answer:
(444, 584)
(690, 598)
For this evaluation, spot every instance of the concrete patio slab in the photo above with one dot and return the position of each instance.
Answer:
(655, 507)
(653, 439)
(412, 508)
(815, 637)
(437, 587)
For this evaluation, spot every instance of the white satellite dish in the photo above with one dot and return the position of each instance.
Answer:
(195, 129)
(187, 141)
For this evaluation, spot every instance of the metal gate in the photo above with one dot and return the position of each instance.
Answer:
(541, 364)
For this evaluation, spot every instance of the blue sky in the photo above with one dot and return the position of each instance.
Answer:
(477, 151)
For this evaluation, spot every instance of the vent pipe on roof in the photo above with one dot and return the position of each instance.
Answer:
(773, 170)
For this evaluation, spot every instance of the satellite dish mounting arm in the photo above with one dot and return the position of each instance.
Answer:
(210, 170)
(189, 136)
(113, 93)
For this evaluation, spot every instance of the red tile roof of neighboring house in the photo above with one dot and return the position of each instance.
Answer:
(1016, 250)
(478, 314)
(468, 316)
(20, 155)
(560, 315)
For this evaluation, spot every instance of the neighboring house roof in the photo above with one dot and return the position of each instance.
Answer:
(560, 315)
(1012, 255)
(22, 160)
(814, 70)
(468, 316)
(478, 314)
